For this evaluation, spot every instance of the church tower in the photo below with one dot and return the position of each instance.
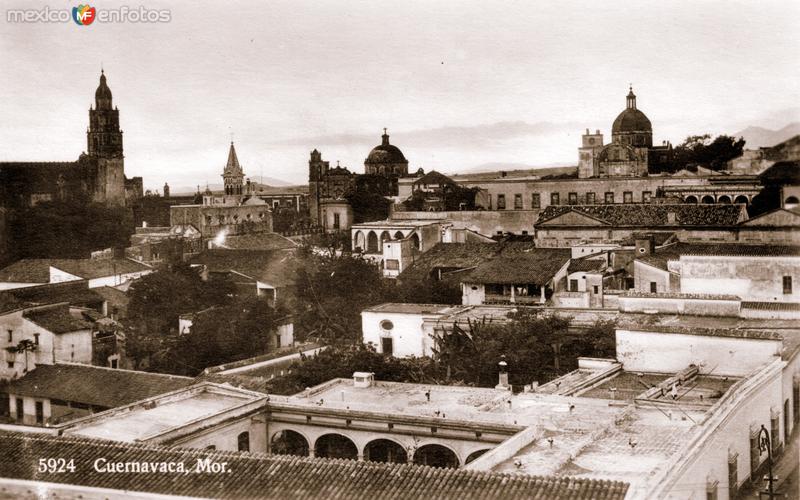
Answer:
(104, 136)
(105, 161)
(232, 176)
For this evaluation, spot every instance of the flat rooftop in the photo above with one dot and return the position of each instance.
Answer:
(404, 308)
(144, 419)
(400, 223)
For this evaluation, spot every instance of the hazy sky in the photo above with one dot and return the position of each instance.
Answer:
(458, 84)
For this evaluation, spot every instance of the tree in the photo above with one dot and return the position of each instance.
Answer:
(68, 229)
(156, 302)
(24, 346)
(529, 342)
(333, 289)
(702, 150)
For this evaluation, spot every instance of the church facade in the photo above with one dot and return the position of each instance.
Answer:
(328, 187)
(98, 175)
(238, 211)
(629, 154)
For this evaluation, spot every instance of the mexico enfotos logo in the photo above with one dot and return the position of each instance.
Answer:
(85, 15)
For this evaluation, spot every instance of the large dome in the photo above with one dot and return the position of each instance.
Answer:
(631, 120)
(385, 153)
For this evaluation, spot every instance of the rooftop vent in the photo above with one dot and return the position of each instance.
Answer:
(363, 379)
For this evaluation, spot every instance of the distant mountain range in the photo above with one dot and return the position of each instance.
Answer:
(760, 137)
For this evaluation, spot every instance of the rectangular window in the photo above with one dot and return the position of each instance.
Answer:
(554, 199)
(653, 287)
(573, 285)
(39, 412)
(36, 338)
(501, 202)
(627, 197)
(11, 335)
(590, 198)
(646, 196)
(572, 198)
(387, 346)
(536, 200)
(787, 285)
(392, 264)
(20, 409)
(609, 197)
(336, 221)
(11, 364)
(517, 201)
(490, 201)
(596, 289)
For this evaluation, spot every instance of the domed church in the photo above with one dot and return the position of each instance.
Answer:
(630, 152)
(386, 159)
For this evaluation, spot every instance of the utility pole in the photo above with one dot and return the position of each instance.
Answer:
(765, 444)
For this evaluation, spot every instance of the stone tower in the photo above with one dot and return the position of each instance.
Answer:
(317, 171)
(232, 176)
(104, 136)
(104, 146)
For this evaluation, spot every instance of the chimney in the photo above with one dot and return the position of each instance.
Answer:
(503, 378)
(587, 131)
(645, 245)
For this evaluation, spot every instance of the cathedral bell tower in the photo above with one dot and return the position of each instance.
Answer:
(104, 137)
(232, 176)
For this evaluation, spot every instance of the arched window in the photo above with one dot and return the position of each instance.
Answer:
(243, 441)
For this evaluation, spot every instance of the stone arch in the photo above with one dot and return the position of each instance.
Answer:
(415, 240)
(289, 442)
(385, 450)
(359, 239)
(707, 199)
(474, 456)
(335, 446)
(741, 199)
(436, 455)
(385, 236)
(398, 235)
(724, 200)
(372, 242)
(691, 199)
(791, 200)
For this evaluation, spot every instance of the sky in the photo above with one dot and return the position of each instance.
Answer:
(458, 84)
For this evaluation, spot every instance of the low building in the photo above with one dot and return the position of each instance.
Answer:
(62, 392)
(47, 334)
(780, 226)
(282, 335)
(752, 272)
(518, 278)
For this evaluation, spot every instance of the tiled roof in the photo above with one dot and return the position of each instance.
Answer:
(26, 271)
(700, 331)
(678, 295)
(586, 265)
(642, 215)
(434, 177)
(258, 241)
(76, 293)
(254, 475)
(274, 267)
(94, 385)
(59, 319)
(449, 256)
(675, 251)
(99, 268)
(38, 270)
(536, 267)
(772, 306)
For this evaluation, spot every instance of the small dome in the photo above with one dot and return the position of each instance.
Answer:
(631, 120)
(385, 153)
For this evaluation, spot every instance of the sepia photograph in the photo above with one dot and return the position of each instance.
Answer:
(400, 250)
